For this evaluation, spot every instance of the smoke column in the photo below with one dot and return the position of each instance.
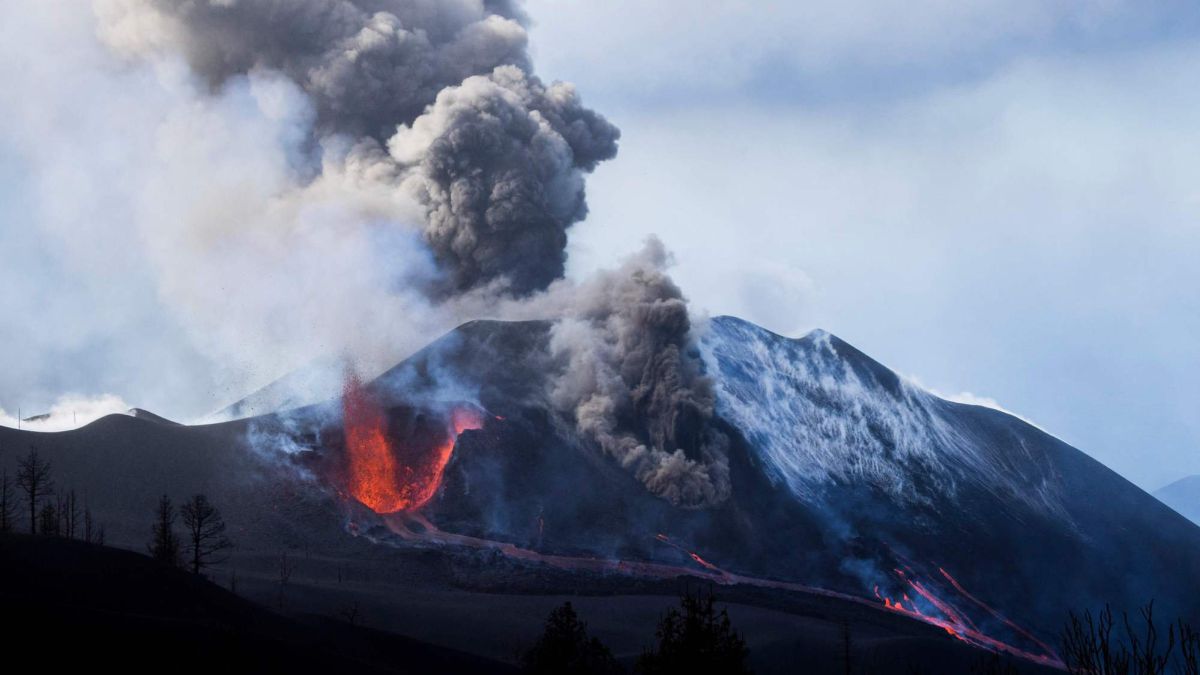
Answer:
(414, 159)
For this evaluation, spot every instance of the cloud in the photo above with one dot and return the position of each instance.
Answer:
(70, 411)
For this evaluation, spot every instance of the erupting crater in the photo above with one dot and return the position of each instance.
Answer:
(388, 473)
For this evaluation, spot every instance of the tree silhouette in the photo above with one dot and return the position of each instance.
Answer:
(205, 531)
(566, 649)
(1090, 646)
(33, 476)
(89, 524)
(7, 503)
(68, 513)
(164, 544)
(48, 520)
(695, 638)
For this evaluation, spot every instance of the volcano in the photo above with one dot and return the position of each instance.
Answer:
(854, 494)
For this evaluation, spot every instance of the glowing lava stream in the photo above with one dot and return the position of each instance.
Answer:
(959, 625)
(375, 475)
(954, 623)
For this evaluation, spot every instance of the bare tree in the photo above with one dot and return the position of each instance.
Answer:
(68, 511)
(1189, 649)
(33, 476)
(1143, 647)
(89, 524)
(205, 530)
(7, 503)
(1092, 647)
(164, 544)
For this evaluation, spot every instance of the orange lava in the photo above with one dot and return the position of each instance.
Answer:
(958, 624)
(376, 476)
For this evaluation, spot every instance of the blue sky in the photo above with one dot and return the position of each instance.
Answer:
(998, 199)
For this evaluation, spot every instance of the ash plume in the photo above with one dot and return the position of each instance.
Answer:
(632, 381)
(368, 65)
(498, 163)
(495, 157)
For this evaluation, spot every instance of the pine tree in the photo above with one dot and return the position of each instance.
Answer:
(696, 639)
(566, 649)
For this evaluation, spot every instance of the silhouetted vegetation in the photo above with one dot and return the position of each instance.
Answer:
(93, 532)
(565, 648)
(695, 638)
(48, 520)
(1097, 645)
(205, 531)
(68, 515)
(33, 477)
(7, 503)
(164, 544)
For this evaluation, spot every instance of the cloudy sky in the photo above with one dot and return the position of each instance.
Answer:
(998, 199)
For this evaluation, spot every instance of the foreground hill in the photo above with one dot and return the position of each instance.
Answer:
(118, 609)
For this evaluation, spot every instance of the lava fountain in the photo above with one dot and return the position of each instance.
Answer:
(390, 477)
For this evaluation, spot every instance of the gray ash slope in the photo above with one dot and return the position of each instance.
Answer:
(1029, 523)
(841, 472)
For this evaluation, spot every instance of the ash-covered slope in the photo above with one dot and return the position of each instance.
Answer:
(842, 472)
(1183, 496)
(1030, 523)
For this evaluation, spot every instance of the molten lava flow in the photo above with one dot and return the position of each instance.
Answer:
(1017, 628)
(417, 529)
(943, 614)
(376, 476)
(371, 467)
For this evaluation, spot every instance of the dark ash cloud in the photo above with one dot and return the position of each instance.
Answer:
(496, 156)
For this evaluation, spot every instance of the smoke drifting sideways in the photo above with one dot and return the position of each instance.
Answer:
(300, 178)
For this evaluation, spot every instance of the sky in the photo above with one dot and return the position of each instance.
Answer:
(996, 199)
